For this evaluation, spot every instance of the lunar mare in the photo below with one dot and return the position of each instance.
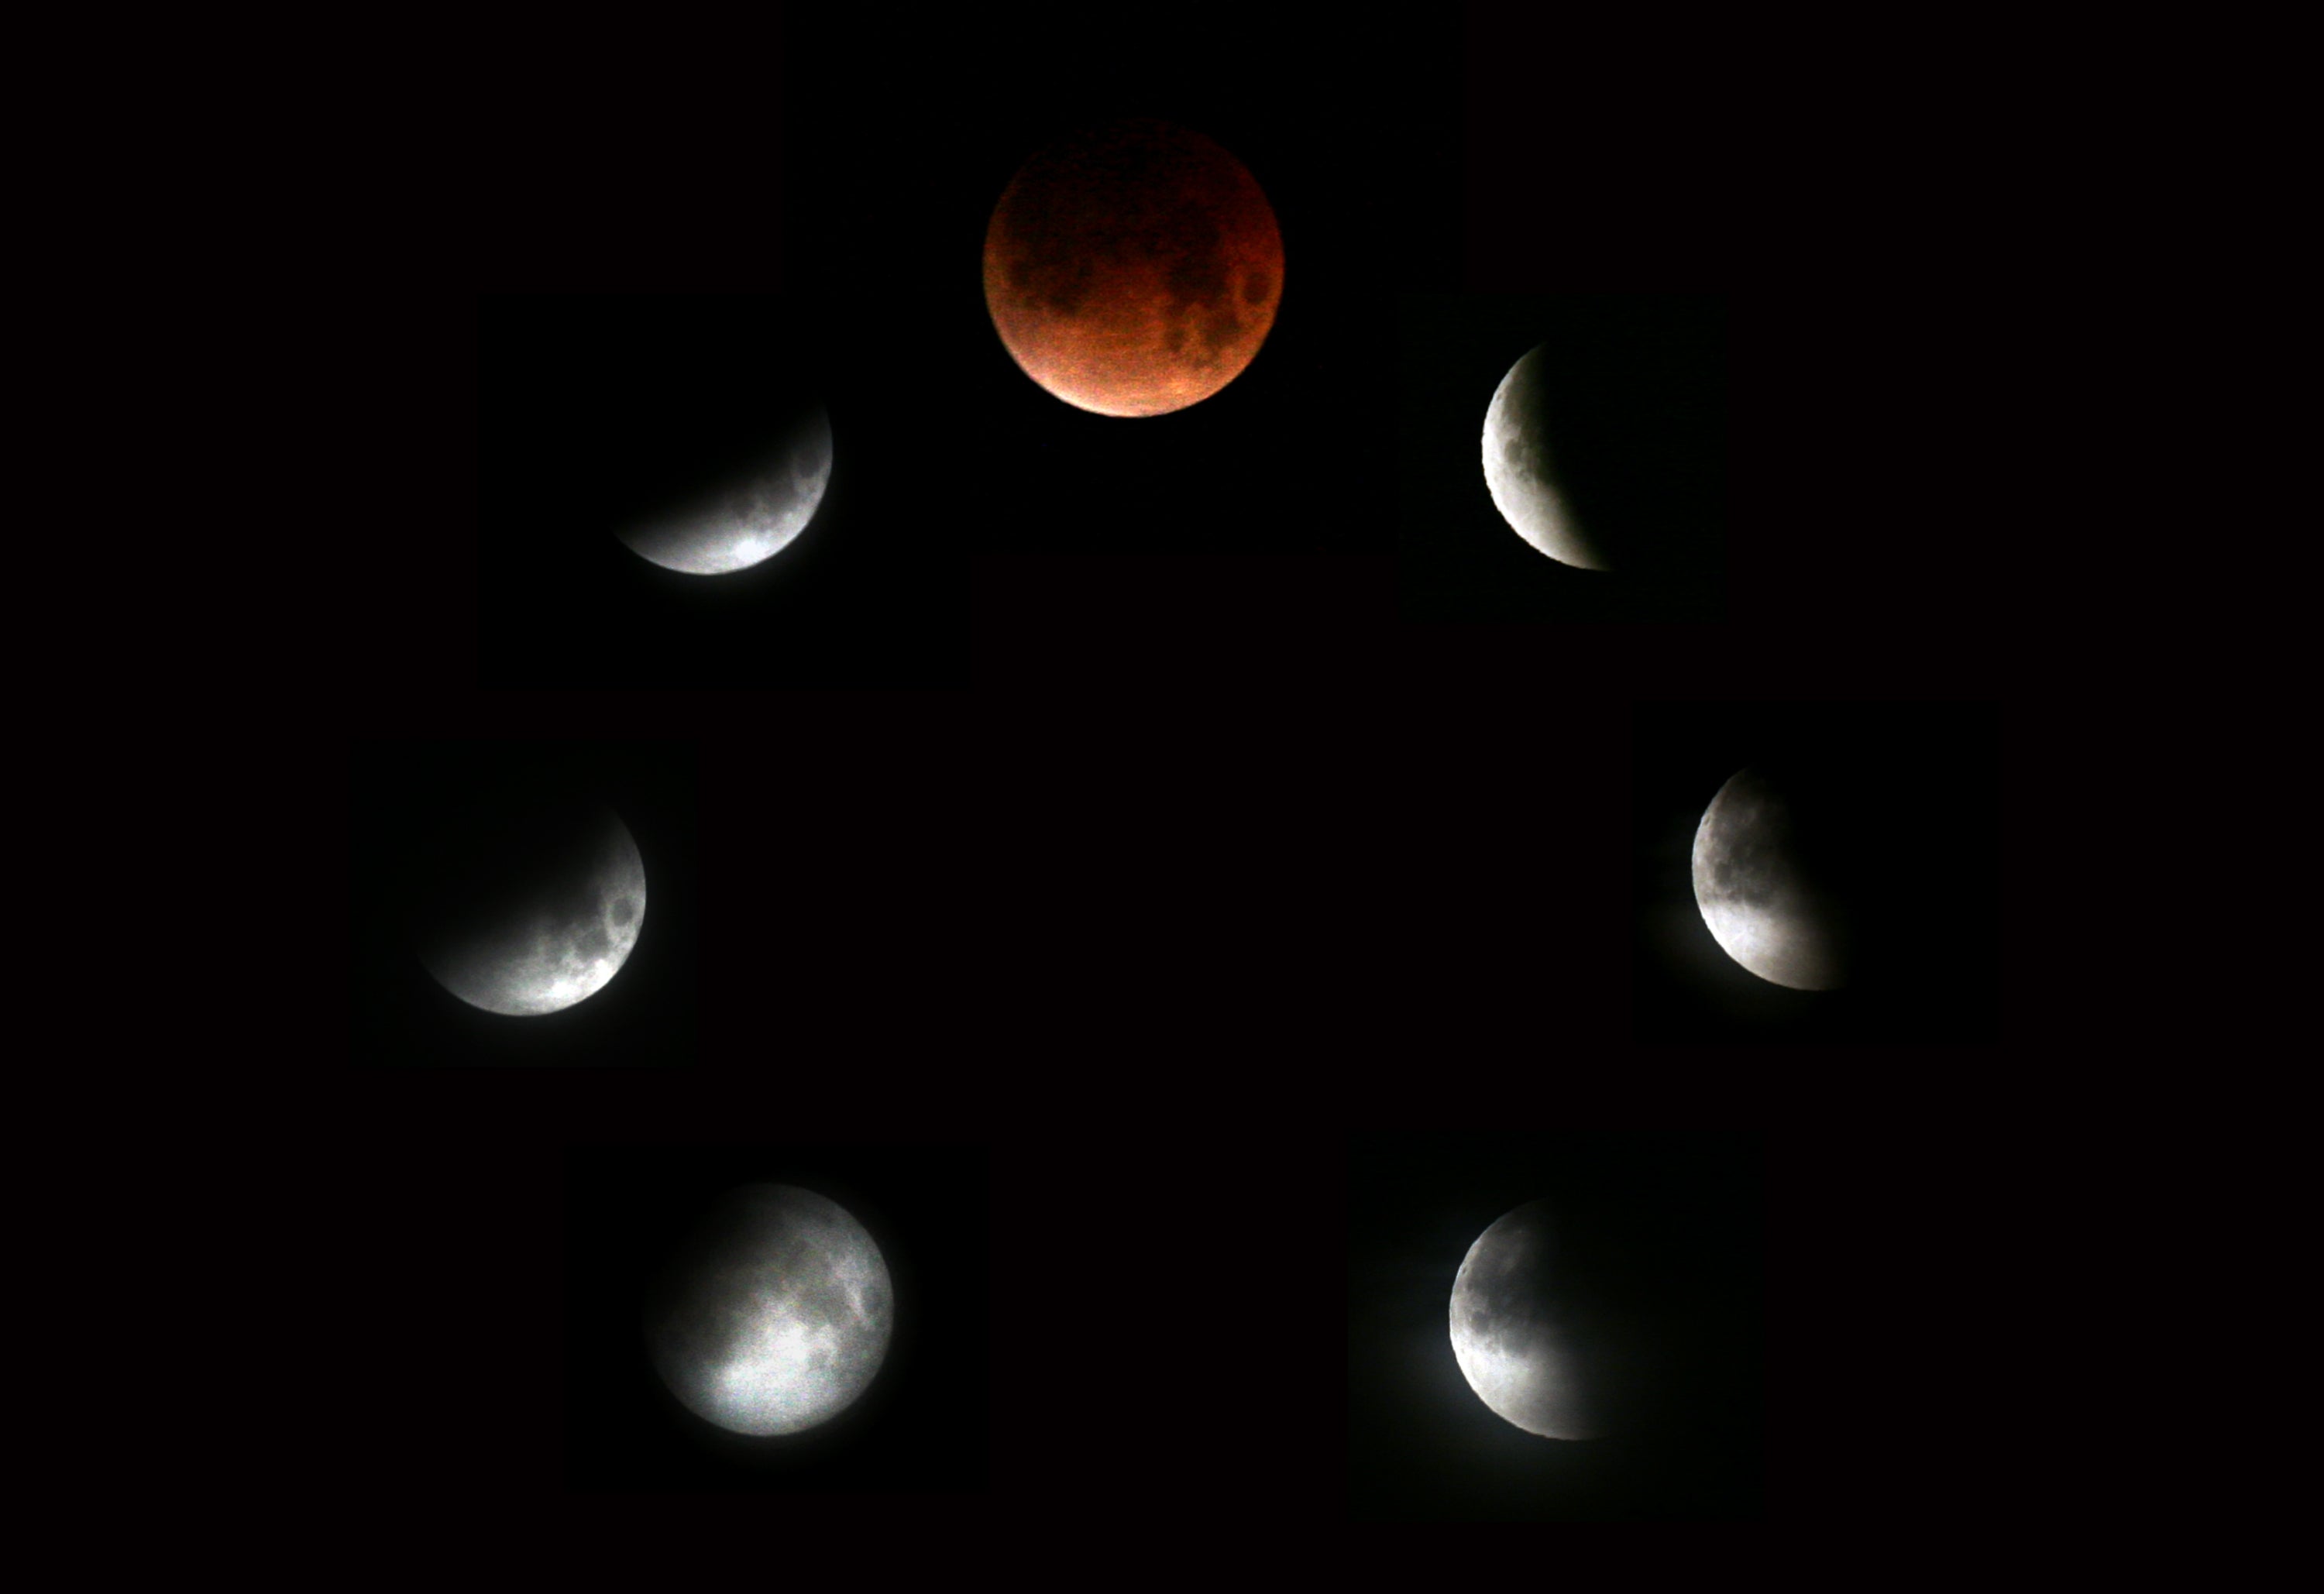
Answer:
(1757, 901)
(776, 1317)
(1133, 269)
(746, 518)
(556, 940)
(1522, 1332)
(1519, 472)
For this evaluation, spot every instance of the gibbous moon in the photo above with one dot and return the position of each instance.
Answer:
(775, 1314)
(1133, 269)
(746, 518)
(532, 907)
(1519, 470)
(1529, 1333)
(1759, 895)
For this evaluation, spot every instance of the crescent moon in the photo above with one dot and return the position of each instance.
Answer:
(775, 1316)
(1519, 1335)
(1518, 471)
(553, 933)
(748, 519)
(1757, 901)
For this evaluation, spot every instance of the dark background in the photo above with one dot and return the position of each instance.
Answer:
(1682, 1211)
(868, 958)
(1926, 777)
(977, 529)
(923, 1423)
(644, 1017)
(1637, 437)
(966, 503)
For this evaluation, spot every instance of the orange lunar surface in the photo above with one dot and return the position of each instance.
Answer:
(1133, 269)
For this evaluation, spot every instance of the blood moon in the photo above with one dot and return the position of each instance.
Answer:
(1133, 268)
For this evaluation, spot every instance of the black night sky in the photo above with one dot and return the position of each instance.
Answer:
(1143, 862)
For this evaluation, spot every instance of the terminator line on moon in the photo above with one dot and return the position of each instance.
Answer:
(1519, 472)
(775, 1316)
(1754, 896)
(1133, 269)
(747, 519)
(556, 939)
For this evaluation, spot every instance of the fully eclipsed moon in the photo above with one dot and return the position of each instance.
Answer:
(1519, 470)
(1762, 902)
(745, 518)
(1531, 1338)
(533, 907)
(1133, 269)
(775, 1316)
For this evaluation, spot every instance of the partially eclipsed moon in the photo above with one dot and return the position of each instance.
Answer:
(543, 930)
(1519, 469)
(747, 518)
(1524, 1333)
(1759, 902)
(1133, 269)
(776, 1315)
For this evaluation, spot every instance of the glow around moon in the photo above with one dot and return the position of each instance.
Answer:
(1519, 472)
(1133, 269)
(1756, 898)
(1519, 1336)
(775, 1318)
(750, 517)
(555, 931)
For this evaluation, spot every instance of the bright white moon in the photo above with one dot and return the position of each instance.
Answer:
(748, 519)
(776, 1317)
(1518, 467)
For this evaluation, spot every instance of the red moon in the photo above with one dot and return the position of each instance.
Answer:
(1133, 269)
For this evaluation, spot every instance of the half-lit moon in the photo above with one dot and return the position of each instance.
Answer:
(775, 1316)
(1133, 269)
